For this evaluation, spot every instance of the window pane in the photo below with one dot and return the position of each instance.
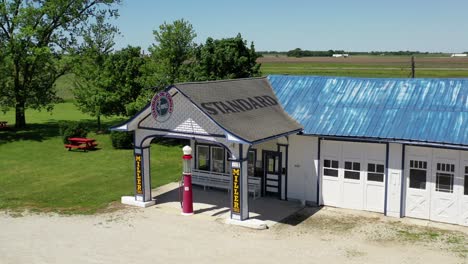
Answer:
(356, 166)
(417, 179)
(411, 164)
(271, 165)
(371, 167)
(217, 155)
(203, 160)
(377, 177)
(380, 168)
(348, 165)
(326, 163)
(330, 172)
(444, 182)
(335, 164)
(352, 175)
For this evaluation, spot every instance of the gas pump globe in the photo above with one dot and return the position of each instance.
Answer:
(187, 202)
(187, 163)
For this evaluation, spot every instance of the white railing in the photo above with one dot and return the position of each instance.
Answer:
(223, 181)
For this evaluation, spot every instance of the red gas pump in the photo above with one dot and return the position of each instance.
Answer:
(187, 201)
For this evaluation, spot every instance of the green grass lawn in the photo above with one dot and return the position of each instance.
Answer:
(38, 173)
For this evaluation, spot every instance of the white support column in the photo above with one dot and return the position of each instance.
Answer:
(239, 183)
(142, 197)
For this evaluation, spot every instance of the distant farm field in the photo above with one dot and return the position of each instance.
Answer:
(366, 66)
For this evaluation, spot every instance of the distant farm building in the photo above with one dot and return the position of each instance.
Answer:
(459, 55)
(340, 55)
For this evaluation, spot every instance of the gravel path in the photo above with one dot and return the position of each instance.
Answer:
(161, 235)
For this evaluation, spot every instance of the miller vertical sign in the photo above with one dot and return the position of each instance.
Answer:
(138, 174)
(236, 190)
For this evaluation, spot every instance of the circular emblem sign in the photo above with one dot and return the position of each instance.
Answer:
(162, 106)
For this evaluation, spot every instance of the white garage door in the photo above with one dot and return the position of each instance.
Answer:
(353, 175)
(437, 185)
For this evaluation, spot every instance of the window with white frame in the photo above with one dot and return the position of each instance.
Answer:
(330, 168)
(445, 175)
(375, 172)
(352, 170)
(211, 158)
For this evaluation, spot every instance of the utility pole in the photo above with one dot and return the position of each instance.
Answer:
(412, 67)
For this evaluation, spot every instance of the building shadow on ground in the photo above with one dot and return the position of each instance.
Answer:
(216, 203)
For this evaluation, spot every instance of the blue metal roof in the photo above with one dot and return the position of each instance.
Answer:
(423, 110)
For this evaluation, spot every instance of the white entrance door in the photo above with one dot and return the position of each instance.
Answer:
(444, 195)
(418, 190)
(272, 178)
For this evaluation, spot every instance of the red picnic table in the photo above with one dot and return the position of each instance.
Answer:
(81, 143)
(3, 124)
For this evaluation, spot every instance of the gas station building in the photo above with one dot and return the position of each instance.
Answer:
(394, 146)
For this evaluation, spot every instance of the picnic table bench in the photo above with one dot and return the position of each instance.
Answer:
(3, 124)
(81, 143)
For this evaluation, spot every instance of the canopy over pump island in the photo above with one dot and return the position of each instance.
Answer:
(234, 115)
(394, 146)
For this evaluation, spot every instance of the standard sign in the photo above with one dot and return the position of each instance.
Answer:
(239, 105)
(138, 175)
(236, 190)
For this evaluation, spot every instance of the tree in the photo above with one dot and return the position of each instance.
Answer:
(89, 62)
(170, 56)
(112, 84)
(228, 58)
(35, 36)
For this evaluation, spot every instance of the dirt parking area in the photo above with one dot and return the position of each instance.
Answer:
(159, 234)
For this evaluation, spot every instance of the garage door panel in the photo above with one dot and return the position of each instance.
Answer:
(347, 186)
(417, 206)
(418, 171)
(439, 194)
(331, 193)
(375, 199)
(352, 195)
(444, 210)
(444, 188)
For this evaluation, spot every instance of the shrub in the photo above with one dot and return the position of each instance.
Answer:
(122, 140)
(72, 129)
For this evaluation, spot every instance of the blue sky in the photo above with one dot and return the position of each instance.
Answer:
(351, 25)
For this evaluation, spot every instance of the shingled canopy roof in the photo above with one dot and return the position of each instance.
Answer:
(246, 108)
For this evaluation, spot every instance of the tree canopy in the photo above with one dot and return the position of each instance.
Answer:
(169, 56)
(111, 84)
(34, 37)
(227, 58)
